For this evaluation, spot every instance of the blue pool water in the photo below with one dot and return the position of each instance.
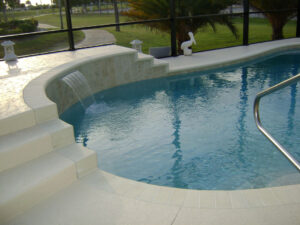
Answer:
(197, 131)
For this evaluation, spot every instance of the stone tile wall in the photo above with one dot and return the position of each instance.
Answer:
(105, 72)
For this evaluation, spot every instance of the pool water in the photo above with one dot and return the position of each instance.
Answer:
(197, 131)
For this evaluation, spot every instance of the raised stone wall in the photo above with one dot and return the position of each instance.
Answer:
(105, 72)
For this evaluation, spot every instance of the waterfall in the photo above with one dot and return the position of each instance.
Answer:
(80, 87)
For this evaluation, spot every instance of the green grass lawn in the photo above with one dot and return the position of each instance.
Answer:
(259, 30)
(81, 20)
(43, 43)
(206, 38)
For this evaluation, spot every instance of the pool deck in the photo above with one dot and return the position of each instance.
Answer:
(97, 197)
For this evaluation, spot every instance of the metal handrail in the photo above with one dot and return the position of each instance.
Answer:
(258, 122)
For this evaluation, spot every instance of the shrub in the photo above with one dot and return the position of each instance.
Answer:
(18, 26)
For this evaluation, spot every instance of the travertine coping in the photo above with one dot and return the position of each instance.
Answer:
(102, 71)
(274, 199)
(205, 199)
(227, 56)
(35, 93)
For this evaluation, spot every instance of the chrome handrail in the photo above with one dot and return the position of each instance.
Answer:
(258, 122)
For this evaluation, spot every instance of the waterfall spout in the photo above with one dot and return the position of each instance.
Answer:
(80, 87)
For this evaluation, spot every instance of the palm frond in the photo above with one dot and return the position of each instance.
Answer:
(156, 9)
(276, 19)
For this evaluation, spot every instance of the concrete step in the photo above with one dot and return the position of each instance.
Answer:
(142, 65)
(161, 63)
(148, 68)
(24, 186)
(160, 68)
(144, 57)
(85, 159)
(30, 143)
(13, 122)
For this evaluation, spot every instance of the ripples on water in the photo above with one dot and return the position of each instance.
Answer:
(197, 131)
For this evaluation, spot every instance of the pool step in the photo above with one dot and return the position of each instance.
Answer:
(24, 186)
(30, 143)
(85, 159)
(34, 96)
(148, 68)
(19, 121)
(148, 63)
(42, 159)
(160, 67)
(144, 60)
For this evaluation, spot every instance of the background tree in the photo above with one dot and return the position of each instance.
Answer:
(56, 2)
(13, 3)
(3, 9)
(156, 9)
(60, 4)
(3, 6)
(279, 19)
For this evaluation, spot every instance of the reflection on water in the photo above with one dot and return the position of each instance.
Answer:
(197, 131)
(292, 109)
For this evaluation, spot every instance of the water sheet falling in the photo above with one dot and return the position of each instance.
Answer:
(80, 86)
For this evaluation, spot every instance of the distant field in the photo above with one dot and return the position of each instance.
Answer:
(21, 14)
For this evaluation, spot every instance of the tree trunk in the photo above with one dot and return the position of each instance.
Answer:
(99, 6)
(277, 32)
(4, 11)
(60, 15)
(116, 14)
(84, 8)
(277, 23)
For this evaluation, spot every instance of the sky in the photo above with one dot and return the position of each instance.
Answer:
(33, 2)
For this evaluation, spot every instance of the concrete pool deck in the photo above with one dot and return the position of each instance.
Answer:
(60, 183)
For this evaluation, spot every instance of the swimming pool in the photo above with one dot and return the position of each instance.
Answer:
(196, 131)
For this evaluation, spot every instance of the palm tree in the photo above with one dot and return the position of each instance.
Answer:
(276, 19)
(157, 9)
